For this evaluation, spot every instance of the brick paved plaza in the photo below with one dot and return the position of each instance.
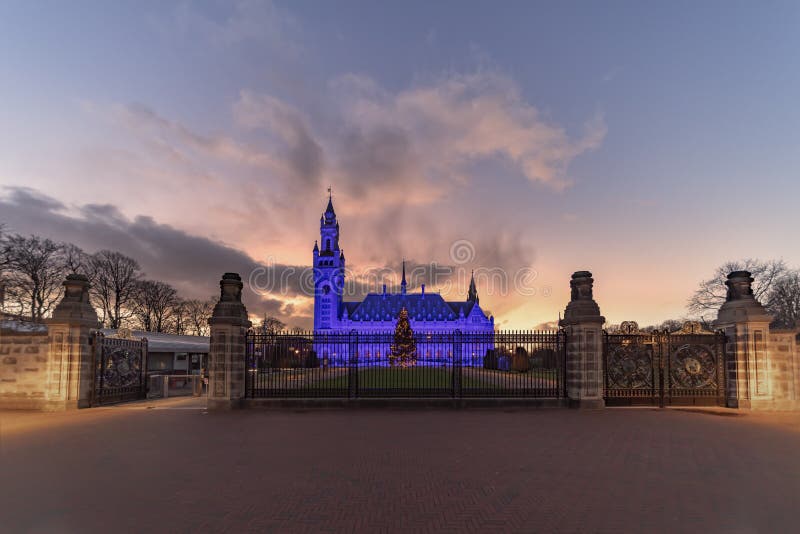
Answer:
(176, 468)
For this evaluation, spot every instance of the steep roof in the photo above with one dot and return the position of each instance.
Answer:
(427, 307)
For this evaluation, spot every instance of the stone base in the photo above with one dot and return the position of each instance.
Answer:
(587, 404)
(782, 405)
(224, 404)
(774, 405)
(41, 405)
(738, 404)
(403, 403)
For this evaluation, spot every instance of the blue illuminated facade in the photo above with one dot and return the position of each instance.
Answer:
(428, 313)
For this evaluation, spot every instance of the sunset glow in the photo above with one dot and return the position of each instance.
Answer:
(217, 155)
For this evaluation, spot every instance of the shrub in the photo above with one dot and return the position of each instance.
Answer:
(504, 362)
(520, 361)
(490, 360)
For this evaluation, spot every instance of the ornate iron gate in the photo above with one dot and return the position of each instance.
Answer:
(120, 365)
(660, 368)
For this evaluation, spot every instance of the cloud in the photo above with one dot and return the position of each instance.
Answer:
(33, 199)
(454, 121)
(402, 164)
(238, 22)
(297, 145)
(179, 142)
(191, 263)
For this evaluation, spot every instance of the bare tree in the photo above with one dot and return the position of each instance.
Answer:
(75, 260)
(198, 312)
(36, 272)
(153, 305)
(115, 279)
(671, 325)
(271, 325)
(3, 257)
(711, 293)
(784, 301)
(3, 265)
(179, 322)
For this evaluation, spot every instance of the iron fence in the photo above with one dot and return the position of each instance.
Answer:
(166, 386)
(437, 364)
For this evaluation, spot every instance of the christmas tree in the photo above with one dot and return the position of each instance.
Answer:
(404, 349)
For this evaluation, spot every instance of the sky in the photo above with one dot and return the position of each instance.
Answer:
(647, 142)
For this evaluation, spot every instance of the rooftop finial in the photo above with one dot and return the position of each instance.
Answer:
(403, 282)
(329, 216)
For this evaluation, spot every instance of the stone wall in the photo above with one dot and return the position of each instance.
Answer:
(49, 367)
(24, 365)
(784, 360)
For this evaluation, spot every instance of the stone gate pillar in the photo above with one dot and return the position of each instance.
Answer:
(584, 329)
(71, 359)
(226, 356)
(746, 325)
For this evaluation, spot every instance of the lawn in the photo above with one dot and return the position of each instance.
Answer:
(422, 378)
(430, 378)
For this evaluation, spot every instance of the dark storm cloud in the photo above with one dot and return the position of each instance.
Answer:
(33, 199)
(192, 264)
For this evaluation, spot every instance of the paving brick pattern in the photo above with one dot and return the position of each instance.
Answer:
(623, 470)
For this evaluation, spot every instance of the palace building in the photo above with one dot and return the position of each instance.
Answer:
(429, 313)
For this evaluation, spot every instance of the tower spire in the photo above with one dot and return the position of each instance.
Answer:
(329, 209)
(403, 283)
(472, 294)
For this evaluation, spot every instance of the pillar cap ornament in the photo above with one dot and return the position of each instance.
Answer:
(740, 286)
(230, 309)
(581, 307)
(75, 306)
(741, 305)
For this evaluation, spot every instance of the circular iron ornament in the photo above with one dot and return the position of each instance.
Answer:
(630, 366)
(693, 367)
(122, 368)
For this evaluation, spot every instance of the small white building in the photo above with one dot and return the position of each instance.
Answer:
(171, 353)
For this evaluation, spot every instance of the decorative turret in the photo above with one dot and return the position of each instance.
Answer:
(330, 215)
(329, 230)
(472, 294)
(403, 282)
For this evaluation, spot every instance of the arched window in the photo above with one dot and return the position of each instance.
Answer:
(327, 244)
